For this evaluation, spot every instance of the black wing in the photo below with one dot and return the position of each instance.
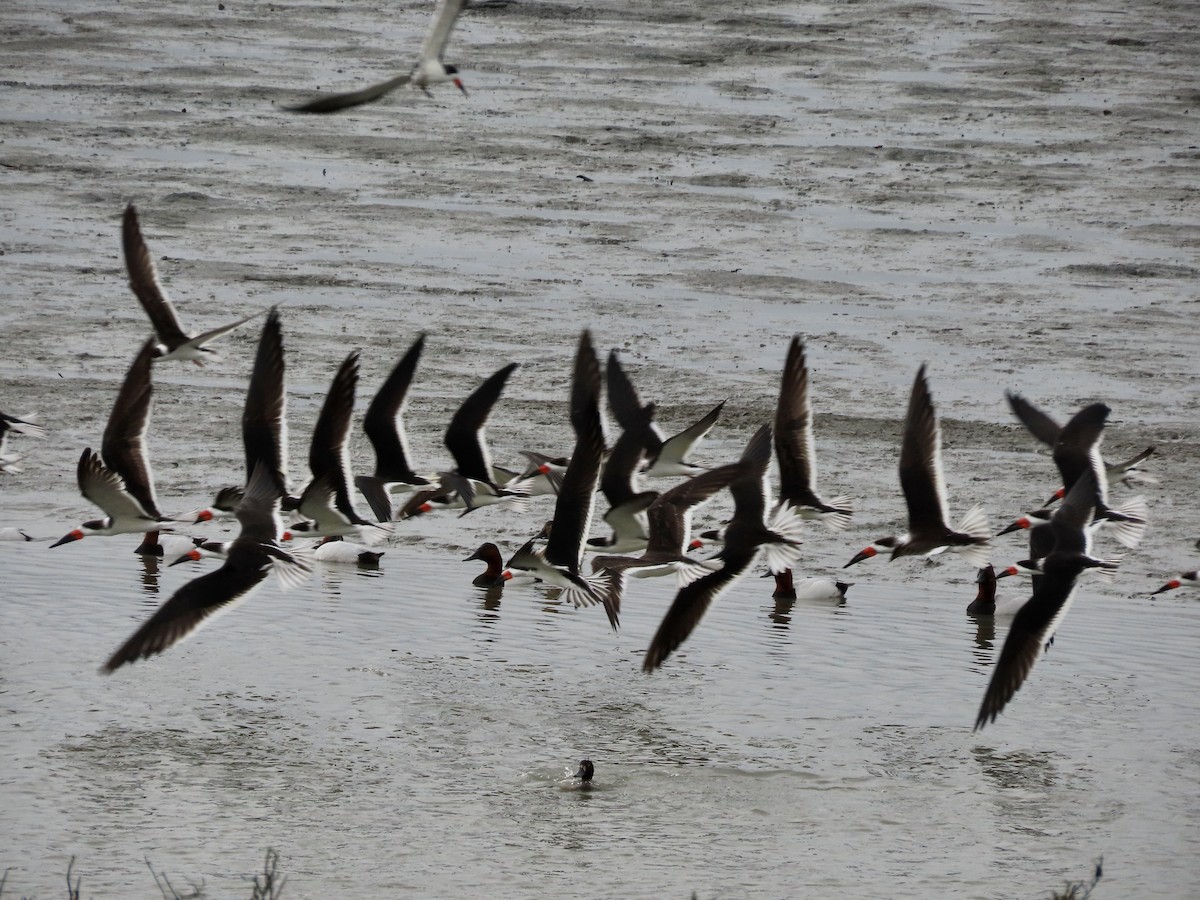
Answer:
(124, 444)
(577, 496)
(383, 424)
(465, 438)
(143, 280)
(264, 417)
(1040, 425)
(920, 461)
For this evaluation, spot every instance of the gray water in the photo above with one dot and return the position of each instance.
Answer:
(407, 732)
(1007, 191)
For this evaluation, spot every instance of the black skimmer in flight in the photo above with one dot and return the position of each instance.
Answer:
(669, 518)
(174, 342)
(794, 448)
(1042, 426)
(544, 474)
(224, 505)
(671, 460)
(118, 478)
(326, 503)
(428, 70)
(1187, 579)
(924, 490)
(495, 574)
(264, 419)
(203, 549)
(1076, 449)
(1127, 472)
(256, 550)
(746, 536)
(559, 564)
(384, 425)
(619, 482)
(1034, 625)
(251, 557)
(669, 457)
(13, 424)
(1041, 537)
(473, 482)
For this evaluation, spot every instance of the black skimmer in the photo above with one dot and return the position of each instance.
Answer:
(384, 426)
(1043, 427)
(223, 506)
(1032, 568)
(543, 475)
(1127, 472)
(466, 435)
(1076, 449)
(627, 502)
(668, 458)
(251, 557)
(1041, 536)
(202, 550)
(794, 448)
(1034, 625)
(473, 482)
(669, 518)
(175, 343)
(428, 70)
(13, 424)
(1187, 579)
(118, 478)
(495, 574)
(559, 564)
(809, 590)
(326, 502)
(256, 551)
(924, 490)
(746, 536)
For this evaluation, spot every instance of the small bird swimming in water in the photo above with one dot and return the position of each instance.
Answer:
(585, 773)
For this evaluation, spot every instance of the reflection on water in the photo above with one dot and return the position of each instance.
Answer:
(418, 709)
(150, 566)
(781, 614)
(985, 637)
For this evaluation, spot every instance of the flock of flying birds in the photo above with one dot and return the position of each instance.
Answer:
(765, 525)
(656, 526)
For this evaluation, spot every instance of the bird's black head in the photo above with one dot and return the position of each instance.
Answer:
(586, 770)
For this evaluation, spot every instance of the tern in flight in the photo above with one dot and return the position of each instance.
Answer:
(428, 70)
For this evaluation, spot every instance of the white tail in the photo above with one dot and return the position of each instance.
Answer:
(975, 523)
(975, 554)
(839, 518)
(293, 568)
(1107, 570)
(1129, 532)
(374, 535)
(687, 572)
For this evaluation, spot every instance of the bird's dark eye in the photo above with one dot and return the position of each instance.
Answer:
(451, 70)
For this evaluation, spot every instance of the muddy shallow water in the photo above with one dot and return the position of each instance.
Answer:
(1005, 190)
